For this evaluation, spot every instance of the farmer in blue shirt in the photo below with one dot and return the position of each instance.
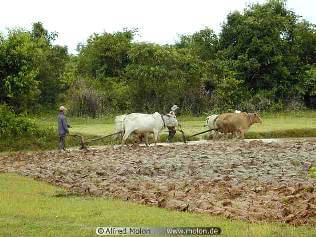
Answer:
(62, 127)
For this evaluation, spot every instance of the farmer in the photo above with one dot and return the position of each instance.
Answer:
(172, 130)
(62, 127)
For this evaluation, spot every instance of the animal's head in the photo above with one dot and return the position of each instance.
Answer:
(255, 118)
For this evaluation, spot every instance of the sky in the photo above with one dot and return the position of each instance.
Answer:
(157, 21)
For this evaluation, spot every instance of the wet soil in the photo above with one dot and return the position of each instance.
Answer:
(247, 180)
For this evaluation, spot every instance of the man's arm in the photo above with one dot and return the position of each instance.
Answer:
(68, 125)
(65, 125)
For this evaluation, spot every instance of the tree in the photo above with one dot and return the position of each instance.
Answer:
(269, 48)
(31, 68)
(51, 69)
(39, 32)
(160, 76)
(50, 61)
(18, 84)
(203, 43)
(105, 55)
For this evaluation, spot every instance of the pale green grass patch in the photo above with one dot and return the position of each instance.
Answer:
(97, 129)
(312, 172)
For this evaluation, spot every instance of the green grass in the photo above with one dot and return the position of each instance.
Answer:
(298, 124)
(312, 172)
(276, 125)
(295, 124)
(289, 124)
(32, 208)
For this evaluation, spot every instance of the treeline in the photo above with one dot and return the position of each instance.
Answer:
(262, 60)
(31, 69)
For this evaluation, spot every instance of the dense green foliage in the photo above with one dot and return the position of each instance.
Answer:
(270, 50)
(263, 59)
(22, 133)
(12, 125)
(31, 69)
(175, 79)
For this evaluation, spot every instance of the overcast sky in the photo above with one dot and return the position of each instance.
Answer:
(158, 21)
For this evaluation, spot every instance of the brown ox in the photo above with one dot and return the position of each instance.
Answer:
(236, 123)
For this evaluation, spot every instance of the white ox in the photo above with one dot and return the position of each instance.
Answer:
(209, 122)
(119, 127)
(147, 123)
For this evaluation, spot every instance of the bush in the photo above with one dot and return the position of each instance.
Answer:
(262, 101)
(84, 99)
(12, 125)
(295, 104)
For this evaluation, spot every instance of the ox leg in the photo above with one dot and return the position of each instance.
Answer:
(209, 135)
(224, 135)
(156, 133)
(134, 138)
(126, 135)
(242, 134)
(146, 139)
(234, 135)
(218, 135)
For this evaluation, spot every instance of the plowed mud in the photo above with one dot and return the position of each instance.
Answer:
(242, 180)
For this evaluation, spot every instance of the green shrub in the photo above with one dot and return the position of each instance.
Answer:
(12, 125)
(312, 172)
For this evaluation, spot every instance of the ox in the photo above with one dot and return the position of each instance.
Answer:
(210, 122)
(147, 123)
(236, 123)
(119, 128)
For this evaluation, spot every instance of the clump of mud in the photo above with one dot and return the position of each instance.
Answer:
(251, 181)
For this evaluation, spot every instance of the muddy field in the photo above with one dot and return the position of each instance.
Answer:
(251, 181)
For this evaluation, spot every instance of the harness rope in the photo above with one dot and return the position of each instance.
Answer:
(215, 121)
(164, 124)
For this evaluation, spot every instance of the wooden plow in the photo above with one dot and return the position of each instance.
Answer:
(84, 143)
(212, 129)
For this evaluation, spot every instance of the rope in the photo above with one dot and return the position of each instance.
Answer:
(164, 125)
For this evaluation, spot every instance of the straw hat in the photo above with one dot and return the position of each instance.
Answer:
(62, 108)
(174, 107)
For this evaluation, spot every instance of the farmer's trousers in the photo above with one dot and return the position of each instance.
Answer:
(62, 142)
(172, 132)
